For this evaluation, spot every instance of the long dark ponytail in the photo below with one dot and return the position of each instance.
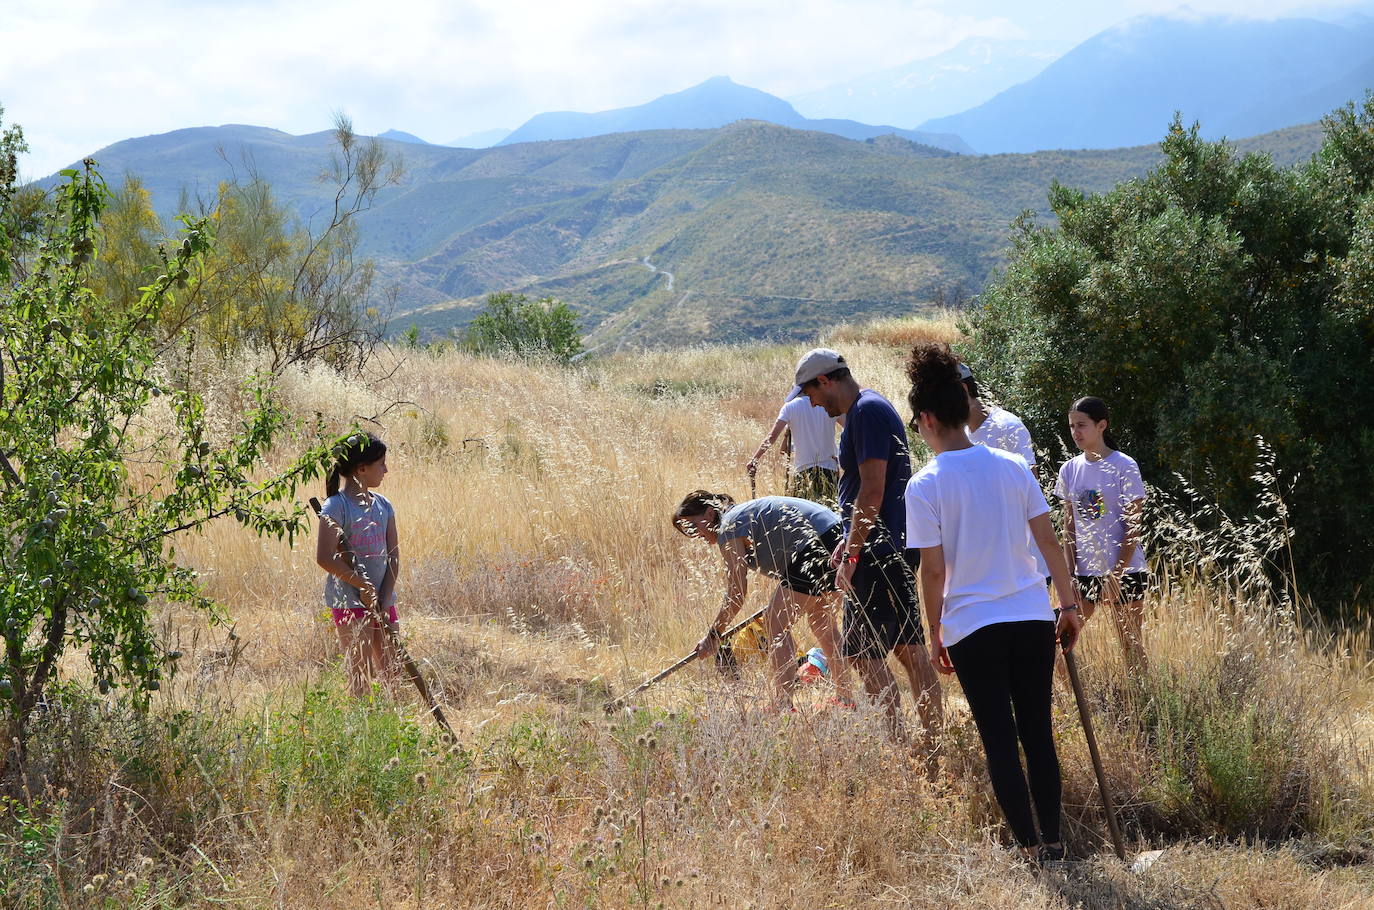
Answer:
(1096, 409)
(697, 502)
(352, 452)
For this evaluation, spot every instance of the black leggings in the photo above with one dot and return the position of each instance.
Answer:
(1007, 670)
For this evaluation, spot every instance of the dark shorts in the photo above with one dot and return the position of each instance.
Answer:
(809, 570)
(882, 612)
(1133, 586)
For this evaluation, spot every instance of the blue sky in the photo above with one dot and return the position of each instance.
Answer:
(81, 74)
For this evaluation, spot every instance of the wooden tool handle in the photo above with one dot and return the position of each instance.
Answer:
(725, 636)
(1087, 720)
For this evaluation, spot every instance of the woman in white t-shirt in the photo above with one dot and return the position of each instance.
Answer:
(968, 511)
(1104, 497)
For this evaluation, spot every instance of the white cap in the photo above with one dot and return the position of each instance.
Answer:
(816, 362)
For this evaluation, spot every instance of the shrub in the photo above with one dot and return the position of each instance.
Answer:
(102, 464)
(1215, 301)
(514, 325)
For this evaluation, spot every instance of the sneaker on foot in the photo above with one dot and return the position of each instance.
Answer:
(1048, 854)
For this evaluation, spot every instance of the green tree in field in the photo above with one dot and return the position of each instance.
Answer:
(297, 292)
(102, 463)
(513, 324)
(1216, 300)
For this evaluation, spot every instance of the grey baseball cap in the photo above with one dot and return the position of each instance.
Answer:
(816, 362)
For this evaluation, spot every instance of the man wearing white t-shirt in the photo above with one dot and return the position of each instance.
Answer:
(995, 427)
(998, 428)
(815, 460)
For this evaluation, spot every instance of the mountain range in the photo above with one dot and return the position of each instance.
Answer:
(950, 82)
(714, 103)
(720, 212)
(1236, 77)
(751, 230)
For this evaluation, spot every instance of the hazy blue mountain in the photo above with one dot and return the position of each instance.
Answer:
(957, 79)
(767, 232)
(714, 103)
(480, 140)
(400, 136)
(1237, 77)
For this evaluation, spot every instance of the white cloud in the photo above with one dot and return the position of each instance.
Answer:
(85, 73)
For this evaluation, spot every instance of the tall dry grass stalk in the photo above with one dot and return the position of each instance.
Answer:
(540, 575)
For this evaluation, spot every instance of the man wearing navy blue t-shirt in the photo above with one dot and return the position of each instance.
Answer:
(881, 614)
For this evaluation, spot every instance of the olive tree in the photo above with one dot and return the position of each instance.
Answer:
(102, 463)
(1224, 308)
(512, 324)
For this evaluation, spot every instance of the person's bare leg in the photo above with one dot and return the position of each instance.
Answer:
(820, 613)
(354, 646)
(378, 656)
(1130, 621)
(777, 620)
(882, 688)
(925, 688)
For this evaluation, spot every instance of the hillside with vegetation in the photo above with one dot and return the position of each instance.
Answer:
(172, 691)
(765, 231)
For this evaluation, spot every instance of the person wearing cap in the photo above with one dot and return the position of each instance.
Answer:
(815, 462)
(995, 427)
(880, 610)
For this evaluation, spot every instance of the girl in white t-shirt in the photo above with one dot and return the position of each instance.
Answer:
(1104, 497)
(969, 511)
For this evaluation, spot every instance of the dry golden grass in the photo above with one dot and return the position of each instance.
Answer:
(902, 332)
(540, 576)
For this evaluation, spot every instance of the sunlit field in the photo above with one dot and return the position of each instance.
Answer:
(541, 577)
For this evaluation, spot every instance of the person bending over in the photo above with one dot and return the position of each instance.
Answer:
(784, 538)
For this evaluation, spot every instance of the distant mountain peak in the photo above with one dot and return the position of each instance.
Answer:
(401, 136)
(1236, 76)
(711, 104)
(954, 80)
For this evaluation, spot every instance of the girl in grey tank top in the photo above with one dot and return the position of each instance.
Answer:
(358, 549)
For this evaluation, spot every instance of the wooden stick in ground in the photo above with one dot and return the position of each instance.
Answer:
(411, 669)
(725, 636)
(1087, 720)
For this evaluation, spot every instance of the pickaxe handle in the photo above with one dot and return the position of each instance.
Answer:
(725, 636)
(1087, 720)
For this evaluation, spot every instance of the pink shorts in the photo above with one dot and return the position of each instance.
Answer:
(344, 616)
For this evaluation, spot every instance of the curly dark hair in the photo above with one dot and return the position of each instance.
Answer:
(935, 384)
